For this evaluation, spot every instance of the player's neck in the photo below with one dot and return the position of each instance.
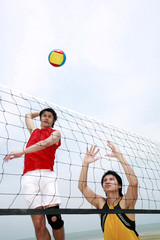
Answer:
(113, 198)
(44, 127)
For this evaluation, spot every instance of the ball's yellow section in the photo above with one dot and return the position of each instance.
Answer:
(56, 58)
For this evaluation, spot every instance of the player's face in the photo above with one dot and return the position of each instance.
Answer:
(47, 119)
(110, 184)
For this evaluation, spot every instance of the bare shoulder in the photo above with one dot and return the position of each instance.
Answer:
(101, 202)
(56, 136)
(125, 203)
(32, 129)
(56, 133)
(98, 201)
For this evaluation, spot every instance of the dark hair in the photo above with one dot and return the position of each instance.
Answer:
(51, 111)
(119, 179)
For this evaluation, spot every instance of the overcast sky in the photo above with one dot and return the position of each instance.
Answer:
(112, 48)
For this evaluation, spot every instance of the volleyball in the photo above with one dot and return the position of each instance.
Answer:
(57, 58)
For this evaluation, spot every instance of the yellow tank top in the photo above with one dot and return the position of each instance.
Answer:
(118, 226)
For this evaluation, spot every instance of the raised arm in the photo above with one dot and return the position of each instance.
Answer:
(90, 196)
(29, 121)
(52, 139)
(132, 192)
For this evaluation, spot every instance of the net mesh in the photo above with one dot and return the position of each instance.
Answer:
(77, 131)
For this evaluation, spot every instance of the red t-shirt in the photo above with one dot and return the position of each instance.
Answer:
(43, 159)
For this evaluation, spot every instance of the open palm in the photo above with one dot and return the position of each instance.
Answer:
(115, 150)
(90, 155)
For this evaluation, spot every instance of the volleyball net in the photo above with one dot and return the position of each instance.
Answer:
(77, 132)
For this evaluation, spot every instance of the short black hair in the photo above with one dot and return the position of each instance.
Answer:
(51, 111)
(119, 179)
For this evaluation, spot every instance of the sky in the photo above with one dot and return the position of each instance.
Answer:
(112, 58)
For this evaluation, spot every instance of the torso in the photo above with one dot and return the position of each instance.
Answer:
(115, 225)
(43, 159)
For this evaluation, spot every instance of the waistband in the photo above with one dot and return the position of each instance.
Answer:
(38, 171)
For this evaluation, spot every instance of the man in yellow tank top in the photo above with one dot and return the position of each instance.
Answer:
(114, 226)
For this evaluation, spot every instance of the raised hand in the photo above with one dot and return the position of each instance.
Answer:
(90, 155)
(115, 150)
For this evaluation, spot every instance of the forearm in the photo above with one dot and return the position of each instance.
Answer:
(29, 120)
(32, 115)
(38, 146)
(34, 148)
(89, 157)
(41, 144)
(52, 139)
(83, 177)
(131, 177)
(16, 154)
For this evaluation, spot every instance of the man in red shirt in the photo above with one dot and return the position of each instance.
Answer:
(39, 181)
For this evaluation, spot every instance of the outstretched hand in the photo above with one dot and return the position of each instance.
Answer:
(115, 150)
(90, 155)
(12, 155)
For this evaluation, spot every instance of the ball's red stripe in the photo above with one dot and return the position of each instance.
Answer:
(55, 65)
(58, 51)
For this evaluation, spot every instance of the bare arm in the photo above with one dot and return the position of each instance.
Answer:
(132, 192)
(29, 121)
(90, 196)
(52, 139)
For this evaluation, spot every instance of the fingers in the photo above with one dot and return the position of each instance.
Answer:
(95, 159)
(87, 150)
(115, 150)
(6, 158)
(110, 144)
(93, 151)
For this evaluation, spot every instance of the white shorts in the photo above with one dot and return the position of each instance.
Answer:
(40, 188)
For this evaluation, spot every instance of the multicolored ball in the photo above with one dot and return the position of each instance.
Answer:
(57, 58)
